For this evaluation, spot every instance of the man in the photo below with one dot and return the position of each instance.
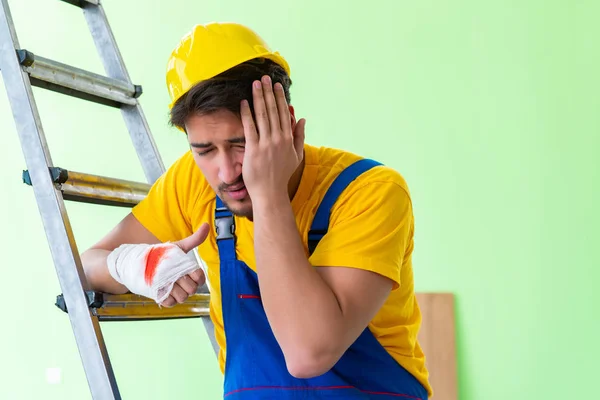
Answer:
(307, 250)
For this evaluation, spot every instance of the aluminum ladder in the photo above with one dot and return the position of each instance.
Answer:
(52, 186)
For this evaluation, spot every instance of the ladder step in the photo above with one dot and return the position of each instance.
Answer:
(82, 3)
(132, 307)
(76, 82)
(95, 189)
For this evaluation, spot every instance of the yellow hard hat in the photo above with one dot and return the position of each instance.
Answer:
(207, 50)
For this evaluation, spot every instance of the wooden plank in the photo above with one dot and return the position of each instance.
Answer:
(438, 340)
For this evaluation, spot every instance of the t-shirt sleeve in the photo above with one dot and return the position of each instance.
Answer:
(370, 228)
(166, 210)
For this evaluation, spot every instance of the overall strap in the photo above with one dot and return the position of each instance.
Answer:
(320, 223)
(225, 229)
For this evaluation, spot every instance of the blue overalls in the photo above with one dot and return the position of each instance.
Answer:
(255, 367)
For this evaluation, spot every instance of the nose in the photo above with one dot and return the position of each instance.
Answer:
(230, 168)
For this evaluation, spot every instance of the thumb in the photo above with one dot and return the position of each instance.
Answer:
(194, 240)
(299, 137)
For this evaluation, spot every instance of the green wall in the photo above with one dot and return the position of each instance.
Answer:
(489, 109)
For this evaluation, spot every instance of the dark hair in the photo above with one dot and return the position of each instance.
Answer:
(227, 90)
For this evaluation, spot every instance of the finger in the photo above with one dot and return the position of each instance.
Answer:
(248, 122)
(187, 284)
(260, 111)
(178, 293)
(271, 103)
(169, 302)
(195, 239)
(197, 276)
(284, 110)
(299, 136)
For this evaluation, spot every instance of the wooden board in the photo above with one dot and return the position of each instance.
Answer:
(438, 340)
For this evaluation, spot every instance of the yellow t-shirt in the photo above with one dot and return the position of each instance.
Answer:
(371, 227)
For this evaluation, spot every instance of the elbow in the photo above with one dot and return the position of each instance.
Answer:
(306, 364)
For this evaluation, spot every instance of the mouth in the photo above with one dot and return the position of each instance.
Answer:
(237, 192)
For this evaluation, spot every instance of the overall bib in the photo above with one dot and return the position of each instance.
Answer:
(255, 367)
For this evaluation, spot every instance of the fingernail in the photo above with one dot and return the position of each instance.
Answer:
(257, 84)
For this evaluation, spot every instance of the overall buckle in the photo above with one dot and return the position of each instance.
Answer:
(225, 227)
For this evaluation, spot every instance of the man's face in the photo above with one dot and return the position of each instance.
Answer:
(217, 142)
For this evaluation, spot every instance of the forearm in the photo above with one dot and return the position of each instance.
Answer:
(96, 272)
(301, 308)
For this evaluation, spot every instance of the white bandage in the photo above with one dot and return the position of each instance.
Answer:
(150, 270)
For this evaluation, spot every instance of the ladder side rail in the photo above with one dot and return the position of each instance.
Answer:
(86, 329)
(133, 115)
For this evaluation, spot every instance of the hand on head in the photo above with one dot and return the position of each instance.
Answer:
(274, 140)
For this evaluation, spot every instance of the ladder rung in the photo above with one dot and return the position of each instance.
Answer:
(132, 307)
(95, 189)
(76, 82)
(81, 3)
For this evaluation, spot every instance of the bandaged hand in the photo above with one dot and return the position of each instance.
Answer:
(168, 273)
